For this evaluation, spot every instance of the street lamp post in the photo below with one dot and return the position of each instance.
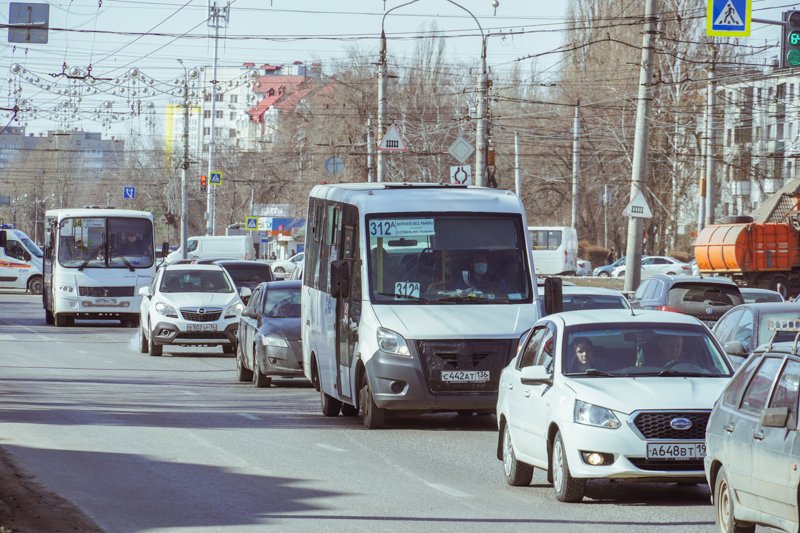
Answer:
(187, 74)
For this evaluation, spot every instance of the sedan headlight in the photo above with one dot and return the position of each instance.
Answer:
(66, 288)
(593, 415)
(392, 342)
(275, 341)
(234, 310)
(166, 310)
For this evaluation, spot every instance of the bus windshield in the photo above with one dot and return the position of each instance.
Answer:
(448, 259)
(100, 242)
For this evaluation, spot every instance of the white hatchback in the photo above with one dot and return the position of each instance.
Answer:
(618, 395)
(190, 305)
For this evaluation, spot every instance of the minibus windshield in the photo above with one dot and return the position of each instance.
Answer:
(436, 258)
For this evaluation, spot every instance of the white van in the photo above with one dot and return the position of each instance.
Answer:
(414, 296)
(20, 261)
(554, 249)
(216, 246)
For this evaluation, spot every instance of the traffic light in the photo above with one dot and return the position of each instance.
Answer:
(790, 44)
(203, 183)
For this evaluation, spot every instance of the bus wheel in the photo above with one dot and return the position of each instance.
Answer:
(330, 405)
(373, 416)
(35, 285)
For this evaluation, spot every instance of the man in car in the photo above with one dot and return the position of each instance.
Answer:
(582, 355)
(133, 245)
(479, 276)
(663, 350)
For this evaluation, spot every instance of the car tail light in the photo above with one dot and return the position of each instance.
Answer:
(668, 308)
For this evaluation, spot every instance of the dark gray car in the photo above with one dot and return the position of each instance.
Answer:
(269, 334)
(706, 299)
(747, 326)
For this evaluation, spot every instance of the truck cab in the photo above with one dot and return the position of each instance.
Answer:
(20, 261)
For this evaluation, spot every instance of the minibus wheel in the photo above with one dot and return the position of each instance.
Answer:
(373, 416)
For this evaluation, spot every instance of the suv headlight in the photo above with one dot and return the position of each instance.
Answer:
(275, 341)
(234, 310)
(66, 288)
(166, 310)
(392, 342)
(593, 415)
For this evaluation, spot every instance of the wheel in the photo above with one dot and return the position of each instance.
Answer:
(35, 285)
(143, 347)
(349, 410)
(152, 348)
(604, 275)
(330, 405)
(518, 474)
(568, 489)
(259, 379)
(48, 317)
(243, 374)
(64, 321)
(780, 284)
(373, 416)
(723, 507)
(228, 348)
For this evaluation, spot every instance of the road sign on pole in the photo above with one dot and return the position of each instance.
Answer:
(216, 178)
(251, 223)
(638, 207)
(28, 23)
(392, 141)
(128, 193)
(461, 149)
(728, 18)
(461, 175)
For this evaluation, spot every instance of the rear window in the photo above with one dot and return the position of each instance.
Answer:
(577, 302)
(248, 275)
(683, 294)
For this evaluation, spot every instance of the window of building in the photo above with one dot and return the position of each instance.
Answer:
(232, 133)
(728, 137)
(217, 131)
(769, 132)
(206, 114)
(233, 115)
(206, 131)
(207, 98)
(790, 130)
(234, 98)
(758, 134)
(218, 114)
(219, 97)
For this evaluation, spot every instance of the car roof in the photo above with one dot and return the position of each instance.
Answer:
(717, 280)
(755, 290)
(778, 348)
(226, 262)
(281, 284)
(194, 266)
(577, 289)
(626, 316)
(771, 307)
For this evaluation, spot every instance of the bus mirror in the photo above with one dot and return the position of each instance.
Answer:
(340, 279)
(164, 249)
(3, 239)
(553, 297)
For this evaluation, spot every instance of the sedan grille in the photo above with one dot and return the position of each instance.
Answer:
(658, 425)
(201, 314)
(438, 356)
(105, 292)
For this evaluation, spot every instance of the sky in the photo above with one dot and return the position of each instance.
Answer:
(114, 36)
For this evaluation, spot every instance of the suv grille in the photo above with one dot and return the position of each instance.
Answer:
(436, 356)
(657, 425)
(103, 292)
(201, 314)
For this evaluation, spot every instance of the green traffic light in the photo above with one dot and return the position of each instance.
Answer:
(794, 38)
(793, 58)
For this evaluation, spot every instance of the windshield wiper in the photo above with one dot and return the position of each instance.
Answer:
(394, 295)
(127, 263)
(90, 257)
(671, 372)
(592, 372)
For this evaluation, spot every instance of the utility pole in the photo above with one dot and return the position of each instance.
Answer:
(633, 261)
(711, 91)
(480, 126)
(184, 174)
(517, 169)
(381, 102)
(605, 216)
(370, 152)
(217, 18)
(576, 162)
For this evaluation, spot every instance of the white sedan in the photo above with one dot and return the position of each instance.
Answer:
(190, 305)
(658, 264)
(616, 395)
(283, 268)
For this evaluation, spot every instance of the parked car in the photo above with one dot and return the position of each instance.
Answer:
(619, 396)
(282, 268)
(269, 334)
(577, 298)
(297, 273)
(754, 295)
(753, 444)
(190, 305)
(246, 273)
(657, 264)
(606, 270)
(583, 267)
(745, 327)
(706, 299)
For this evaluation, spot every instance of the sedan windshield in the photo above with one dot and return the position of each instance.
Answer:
(637, 350)
(195, 281)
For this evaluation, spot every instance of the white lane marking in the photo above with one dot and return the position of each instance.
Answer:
(448, 490)
(4, 337)
(189, 393)
(249, 416)
(329, 447)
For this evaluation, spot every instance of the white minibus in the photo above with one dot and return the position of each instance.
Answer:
(20, 261)
(554, 249)
(414, 296)
(216, 246)
(96, 260)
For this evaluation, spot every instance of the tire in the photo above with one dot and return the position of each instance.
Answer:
(349, 410)
(143, 347)
(259, 379)
(153, 349)
(330, 405)
(36, 285)
(518, 474)
(49, 319)
(228, 348)
(604, 274)
(723, 507)
(373, 416)
(243, 374)
(780, 284)
(568, 489)
(64, 321)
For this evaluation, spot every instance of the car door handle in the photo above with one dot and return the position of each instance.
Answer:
(728, 428)
(759, 435)
(526, 393)
(308, 322)
(510, 386)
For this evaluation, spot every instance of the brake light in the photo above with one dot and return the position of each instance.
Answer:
(668, 308)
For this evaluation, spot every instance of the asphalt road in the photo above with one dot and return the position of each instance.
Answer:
(173, 443)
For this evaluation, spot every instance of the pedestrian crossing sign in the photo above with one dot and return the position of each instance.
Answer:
(251, 224)
(728, 18)
(216, 178)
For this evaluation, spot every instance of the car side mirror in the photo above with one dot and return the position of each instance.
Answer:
(734, 348)
(553, 296)
(775, 417)
(3, 239)
(536, 375)
(249, 312)
(164, 250)
(145, 291)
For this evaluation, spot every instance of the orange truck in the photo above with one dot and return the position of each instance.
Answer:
(753, 254)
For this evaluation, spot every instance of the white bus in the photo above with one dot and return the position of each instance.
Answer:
(95, 262)
(394, 316)
(554, 249)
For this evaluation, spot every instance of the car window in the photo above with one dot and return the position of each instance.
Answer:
(582, 302)
(255, 299)
(786, 390)
(768, 323)
(195, 281)
(248, 275)
(282, 303)
(660, 261)
(733, 392)
(639, 294)
(529, 353)
(755, 397)
(744, 329)
(723, 330)
(709, 294)
(546, 353)
(653, 290)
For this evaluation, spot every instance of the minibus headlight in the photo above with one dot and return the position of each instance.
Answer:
(166, 310)
(392, 342)
(66, 288)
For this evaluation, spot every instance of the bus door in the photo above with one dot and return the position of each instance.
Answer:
(348, 301)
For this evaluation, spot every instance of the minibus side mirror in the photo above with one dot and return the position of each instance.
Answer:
(775, 417)
(3, 238)
(164, 249)
(553, 296)
(340, 278)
